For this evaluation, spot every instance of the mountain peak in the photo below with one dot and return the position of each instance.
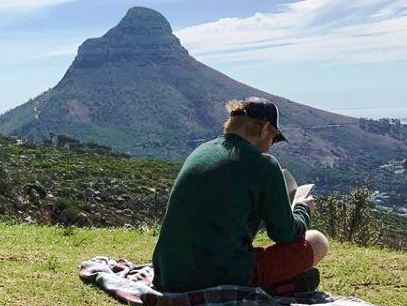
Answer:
(143, 36)
(142, 19)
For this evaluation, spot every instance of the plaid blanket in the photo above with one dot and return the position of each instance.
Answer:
(132, 284)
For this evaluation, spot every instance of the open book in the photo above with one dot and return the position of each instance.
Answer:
(296, 193)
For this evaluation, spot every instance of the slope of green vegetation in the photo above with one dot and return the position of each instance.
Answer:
(39, 265)
(52, 185)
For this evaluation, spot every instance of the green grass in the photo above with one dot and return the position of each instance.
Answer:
(39, 265)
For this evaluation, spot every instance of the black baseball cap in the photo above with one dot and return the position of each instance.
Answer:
(261, 109)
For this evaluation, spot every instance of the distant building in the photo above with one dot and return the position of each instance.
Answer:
(396, 166)
(68, 142)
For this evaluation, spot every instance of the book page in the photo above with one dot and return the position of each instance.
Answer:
(303, 192)
(291, 184)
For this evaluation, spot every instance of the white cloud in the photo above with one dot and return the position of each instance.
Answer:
(22, 52)
(28, 4)
(351, 31)
(64, 50)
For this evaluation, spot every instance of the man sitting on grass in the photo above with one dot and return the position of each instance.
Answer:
(226, 188)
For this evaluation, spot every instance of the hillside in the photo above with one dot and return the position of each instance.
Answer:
(138, 90)
(83, 187)
(40, 266)
(51, 185)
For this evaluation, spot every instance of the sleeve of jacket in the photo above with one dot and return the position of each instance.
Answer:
(283, 224)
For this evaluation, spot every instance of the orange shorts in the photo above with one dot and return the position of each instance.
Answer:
(280, 262)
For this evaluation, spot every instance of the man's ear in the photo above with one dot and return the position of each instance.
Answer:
(265, 131)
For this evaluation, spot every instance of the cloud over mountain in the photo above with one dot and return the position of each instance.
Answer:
(337, 31)
(28, 4)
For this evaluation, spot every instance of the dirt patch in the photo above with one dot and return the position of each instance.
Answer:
(21, 258)
(78, 111)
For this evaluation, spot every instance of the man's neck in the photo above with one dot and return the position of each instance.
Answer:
(249, 139)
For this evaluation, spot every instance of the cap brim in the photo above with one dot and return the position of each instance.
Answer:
(280, 137)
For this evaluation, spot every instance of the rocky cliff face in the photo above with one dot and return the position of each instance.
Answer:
(138, 90)
(143, 35)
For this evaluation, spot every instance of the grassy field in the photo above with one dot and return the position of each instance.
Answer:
(39, 265)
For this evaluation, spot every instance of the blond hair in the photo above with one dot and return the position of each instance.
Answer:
(249, 126)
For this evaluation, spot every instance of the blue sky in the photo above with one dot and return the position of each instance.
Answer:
(348, 56)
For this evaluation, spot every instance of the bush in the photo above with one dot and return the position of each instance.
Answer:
(350, 217)
(5, 184)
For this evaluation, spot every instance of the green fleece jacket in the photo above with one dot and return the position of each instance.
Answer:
(224, 190)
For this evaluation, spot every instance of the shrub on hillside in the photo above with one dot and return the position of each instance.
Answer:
(5, 184)
(349, 217)
(352, 217)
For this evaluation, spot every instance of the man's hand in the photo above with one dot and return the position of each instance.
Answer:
(309, 201)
